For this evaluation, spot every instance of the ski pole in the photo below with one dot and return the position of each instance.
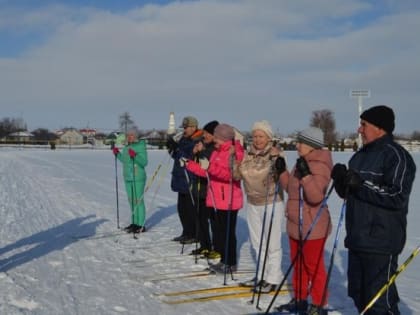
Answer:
(340, 224)
(149, 183)
(159, 182)
(191, 196)
(151, 180)
(300, 247)
(133, 193)
(231, 162)
(210, 190)
(197, 221)
(116, 192)
(261, 241)
(189, 186)
(276, 192)
(308, 233)
(391, 280)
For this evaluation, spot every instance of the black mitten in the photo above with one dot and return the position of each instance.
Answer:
(353, 181)
(339, 174)
(302, 168)
(280, 165)
(171, 145)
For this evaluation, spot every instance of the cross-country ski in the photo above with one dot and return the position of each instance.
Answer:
(216, 297)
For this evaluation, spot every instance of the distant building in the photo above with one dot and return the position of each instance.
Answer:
(154, 134)
(71, 136)
(20, 136)
(88, 132)
(115, 138)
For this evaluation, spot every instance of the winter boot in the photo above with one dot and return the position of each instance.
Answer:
(200, 251)
(266, 287)
(317, 310)
(179, 238)
(213, 255)
(138, 229)
(220, 268)
(188, 240)
(248, 283)
(129, 228)
(294, 306)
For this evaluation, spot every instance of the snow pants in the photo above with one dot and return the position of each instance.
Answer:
(255, 218)
(135, 193)
(366, 274)
(205, 222)
(309, 274)
(227, 225)
(187, 215)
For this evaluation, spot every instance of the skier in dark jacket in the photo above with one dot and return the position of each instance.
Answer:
(210, 245)
(377, 186)
(182, 180)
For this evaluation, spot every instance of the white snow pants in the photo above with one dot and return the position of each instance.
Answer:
(255, 217)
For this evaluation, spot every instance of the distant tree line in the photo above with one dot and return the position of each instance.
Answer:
(10, 125)
(323, 119)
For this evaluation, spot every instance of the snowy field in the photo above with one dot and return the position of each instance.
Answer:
(48, 198)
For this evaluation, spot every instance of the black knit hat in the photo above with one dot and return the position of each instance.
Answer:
(210, 126)
(381, 116)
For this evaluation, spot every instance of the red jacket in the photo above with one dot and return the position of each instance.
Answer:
(219, 191)
(314, 189)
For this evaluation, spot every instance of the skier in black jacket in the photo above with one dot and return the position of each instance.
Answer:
(377, 186)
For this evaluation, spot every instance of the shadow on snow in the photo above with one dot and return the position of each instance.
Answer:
(45, 242)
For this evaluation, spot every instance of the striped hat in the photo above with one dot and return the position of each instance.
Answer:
(312, 136)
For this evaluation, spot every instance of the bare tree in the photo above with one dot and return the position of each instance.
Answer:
(126, 122)
(9, 125)
(324, 119)
(415, 135)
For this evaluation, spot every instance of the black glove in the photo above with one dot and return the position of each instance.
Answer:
(280, 165)
(171, 145)
(353, 181)
(302, 168)
(339, 174)
(345, 181)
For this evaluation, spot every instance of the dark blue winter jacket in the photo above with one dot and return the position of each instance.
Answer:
(179, 179)
(376, 214)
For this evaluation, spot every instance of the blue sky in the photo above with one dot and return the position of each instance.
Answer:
(83, 63)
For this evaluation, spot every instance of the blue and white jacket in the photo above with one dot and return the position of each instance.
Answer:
(376, 214)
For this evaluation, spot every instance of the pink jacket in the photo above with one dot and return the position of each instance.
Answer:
(314, 189)
(219, 191)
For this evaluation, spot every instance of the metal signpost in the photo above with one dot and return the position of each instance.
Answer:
(360, 94)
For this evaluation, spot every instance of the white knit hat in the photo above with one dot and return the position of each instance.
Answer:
(312, 136)
(265, 126)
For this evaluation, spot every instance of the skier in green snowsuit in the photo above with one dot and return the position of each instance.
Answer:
(134, 159)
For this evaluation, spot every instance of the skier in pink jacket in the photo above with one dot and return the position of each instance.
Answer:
(224, 193)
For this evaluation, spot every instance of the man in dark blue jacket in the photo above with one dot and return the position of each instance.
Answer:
(182, 181)
(377, 186)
